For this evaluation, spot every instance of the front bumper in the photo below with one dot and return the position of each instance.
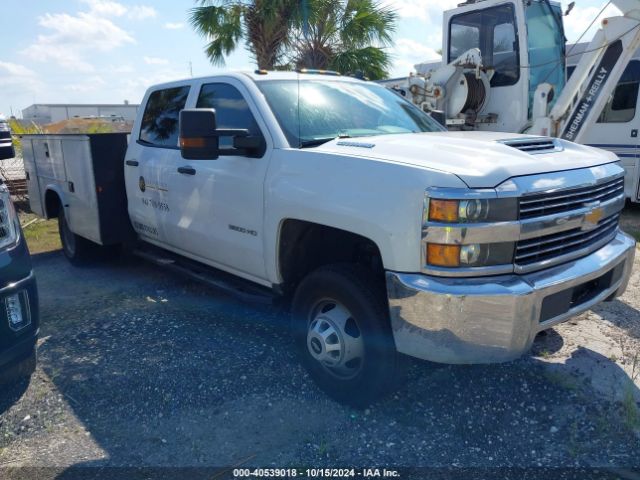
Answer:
(495, 319)
(18, 345)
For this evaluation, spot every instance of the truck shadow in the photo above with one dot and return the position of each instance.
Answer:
(167, 373)
(12, 392)
(622, 315)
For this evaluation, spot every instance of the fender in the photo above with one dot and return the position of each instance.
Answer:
(303, 185)
(52, 187)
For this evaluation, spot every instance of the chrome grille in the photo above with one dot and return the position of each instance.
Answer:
(548, 247)
(567, 200)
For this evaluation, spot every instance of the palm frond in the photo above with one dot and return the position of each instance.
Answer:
(372, 62)
(221, 25)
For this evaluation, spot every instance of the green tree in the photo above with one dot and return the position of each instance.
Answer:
(263, 25)
(345, 35)
(18, 128)
(348, 36)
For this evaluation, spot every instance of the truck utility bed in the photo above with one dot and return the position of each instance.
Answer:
(86, 171)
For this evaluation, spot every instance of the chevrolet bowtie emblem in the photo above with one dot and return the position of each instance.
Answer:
(592, 218)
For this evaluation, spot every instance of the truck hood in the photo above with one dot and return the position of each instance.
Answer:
(480, 159)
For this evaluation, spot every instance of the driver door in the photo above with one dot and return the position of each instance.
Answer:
(217, 216)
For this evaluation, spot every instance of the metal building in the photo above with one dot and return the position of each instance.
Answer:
(45, 113)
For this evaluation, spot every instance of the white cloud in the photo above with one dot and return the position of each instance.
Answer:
(124, 68)
(407, 52)
(17, 80)
(16, 69)
(134, 86)
(106, 7)
(73, 37)
(155, 61)
(174, 26)
(87, 85)
(581, 17)
(142, 12)
(421, 9)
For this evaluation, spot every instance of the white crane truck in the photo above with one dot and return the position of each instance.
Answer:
(504, 68)
(388, 234)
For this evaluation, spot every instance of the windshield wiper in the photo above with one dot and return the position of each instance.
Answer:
(315, 142)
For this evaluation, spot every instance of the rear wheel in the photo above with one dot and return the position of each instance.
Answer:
(78, 250)
(342, 332)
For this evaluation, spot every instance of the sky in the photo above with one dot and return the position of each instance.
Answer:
(109, 51)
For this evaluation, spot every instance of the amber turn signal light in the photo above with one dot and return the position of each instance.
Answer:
(443, 255)
(443, 210)
(193, 142)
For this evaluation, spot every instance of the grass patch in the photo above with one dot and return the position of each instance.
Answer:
(42, 236)
(561, 380)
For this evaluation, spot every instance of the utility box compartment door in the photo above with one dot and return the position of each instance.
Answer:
(79, 188)
(36, 201)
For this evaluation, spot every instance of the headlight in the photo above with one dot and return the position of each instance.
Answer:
(8, 219)
(470, 210)
(4, 127)
(459, 231)
(471, 255)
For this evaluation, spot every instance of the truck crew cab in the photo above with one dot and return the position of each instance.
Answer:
(387, 234)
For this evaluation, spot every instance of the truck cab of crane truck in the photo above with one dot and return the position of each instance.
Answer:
(535, 29)
(522, 44)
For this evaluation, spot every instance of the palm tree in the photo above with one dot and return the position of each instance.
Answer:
(264, 25)
(344, 35)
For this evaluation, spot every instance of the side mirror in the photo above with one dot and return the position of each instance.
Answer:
(198, 137)
(250, 144)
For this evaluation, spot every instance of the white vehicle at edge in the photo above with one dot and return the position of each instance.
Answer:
(453, 247)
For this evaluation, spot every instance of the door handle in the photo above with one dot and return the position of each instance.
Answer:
(187, 170)
(132, 163)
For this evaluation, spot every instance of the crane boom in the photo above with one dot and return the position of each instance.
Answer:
(594, 79)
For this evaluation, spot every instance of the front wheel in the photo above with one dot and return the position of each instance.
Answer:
(342, 332)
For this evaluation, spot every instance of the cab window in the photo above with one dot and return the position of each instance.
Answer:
(621, 107)
(159, 126)
(232, 110)
(493, 31)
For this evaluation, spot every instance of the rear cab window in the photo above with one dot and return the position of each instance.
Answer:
(159, 127)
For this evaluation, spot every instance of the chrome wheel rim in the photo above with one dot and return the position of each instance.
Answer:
(334, 339)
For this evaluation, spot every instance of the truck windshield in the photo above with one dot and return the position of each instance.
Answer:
(312, 112)
(546, 47)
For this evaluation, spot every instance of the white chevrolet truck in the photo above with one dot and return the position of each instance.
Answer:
(386, 234)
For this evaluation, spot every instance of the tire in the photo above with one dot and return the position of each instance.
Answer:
(342, 333)
(78, 250)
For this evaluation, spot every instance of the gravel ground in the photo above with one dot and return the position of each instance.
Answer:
(138, 367)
